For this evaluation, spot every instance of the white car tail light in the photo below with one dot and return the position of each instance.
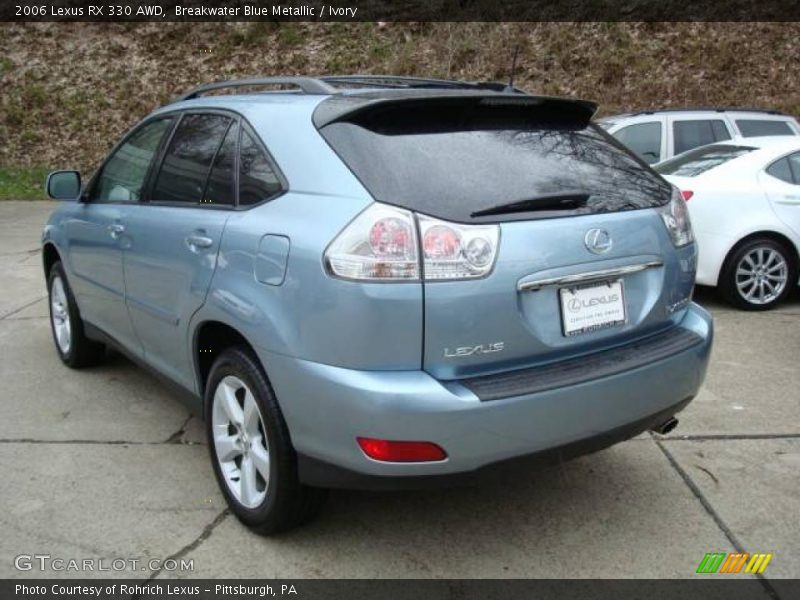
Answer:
(456, 251)
(381, 244)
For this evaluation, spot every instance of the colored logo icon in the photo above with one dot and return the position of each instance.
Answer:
(721, 562)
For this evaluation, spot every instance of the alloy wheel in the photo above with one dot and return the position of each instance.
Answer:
(761, 275)
(240, 442)
(59, 315)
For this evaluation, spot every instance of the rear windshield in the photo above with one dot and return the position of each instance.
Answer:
(759, 127)
(461, 164)
(700, 160)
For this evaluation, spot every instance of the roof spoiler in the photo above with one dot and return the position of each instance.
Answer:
(351, 108)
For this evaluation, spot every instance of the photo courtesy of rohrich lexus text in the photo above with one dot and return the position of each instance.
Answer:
(369, 299)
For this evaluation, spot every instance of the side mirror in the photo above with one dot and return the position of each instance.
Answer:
(63, 185)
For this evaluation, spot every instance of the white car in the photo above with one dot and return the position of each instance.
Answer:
(744, 203)
(661, 134)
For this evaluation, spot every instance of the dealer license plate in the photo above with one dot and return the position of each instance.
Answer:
(592, 307)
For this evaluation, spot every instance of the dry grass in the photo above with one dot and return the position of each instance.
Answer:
(70, 90)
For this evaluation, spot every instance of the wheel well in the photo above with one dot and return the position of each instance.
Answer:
(772, 235)
(211, 339)
(49, 257)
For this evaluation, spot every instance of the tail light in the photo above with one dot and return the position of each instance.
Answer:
(686, 194)
(676, 219)
(381, 244)
(456, 251)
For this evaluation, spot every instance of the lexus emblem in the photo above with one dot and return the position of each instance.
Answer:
(597, 241)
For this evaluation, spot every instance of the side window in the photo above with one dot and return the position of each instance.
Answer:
(781, 170)
(124, 174)
(221, 187)
(786, 169)
(757, 127)
(644, 139)
(188, 159)
(720, 131)
(257, 179)
(794, 165)
(691, 134)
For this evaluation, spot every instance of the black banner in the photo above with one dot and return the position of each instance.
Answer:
(399, 11)
(712, 587)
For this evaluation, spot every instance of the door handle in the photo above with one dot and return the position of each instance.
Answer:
(115, 230)
(195, 242)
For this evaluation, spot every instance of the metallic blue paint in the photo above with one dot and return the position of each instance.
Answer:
(272, 258)
(326, 407)
(349, 359)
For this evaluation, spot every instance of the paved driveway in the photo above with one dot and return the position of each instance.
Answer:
(105, 463)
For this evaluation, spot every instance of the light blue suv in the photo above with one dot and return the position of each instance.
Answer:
(382, 282)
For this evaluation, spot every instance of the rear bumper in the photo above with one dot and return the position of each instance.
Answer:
(327, 407)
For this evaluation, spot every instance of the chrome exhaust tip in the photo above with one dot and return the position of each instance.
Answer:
(666, 426)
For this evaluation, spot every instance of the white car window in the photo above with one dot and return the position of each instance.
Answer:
(693, 133)
(759, 127)
(787, 169)
(644, 139)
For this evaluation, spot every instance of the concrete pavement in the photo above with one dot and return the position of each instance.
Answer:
(105, 463)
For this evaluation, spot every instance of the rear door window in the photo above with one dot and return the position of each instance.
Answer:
(221, 186)
(644, 139)
(690, 134)
(463, 161)
(188, 159)
(787, 169)
(759, 127)
(780, 169)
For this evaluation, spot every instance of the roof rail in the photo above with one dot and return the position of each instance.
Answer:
(768, 111)
(417, 82)
(308, 85)
(324, 85)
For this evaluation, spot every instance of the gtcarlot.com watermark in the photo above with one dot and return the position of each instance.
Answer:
(47, 562)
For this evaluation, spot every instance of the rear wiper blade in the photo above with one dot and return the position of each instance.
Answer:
(567, 200)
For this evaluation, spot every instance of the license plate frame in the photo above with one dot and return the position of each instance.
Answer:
(594, 316)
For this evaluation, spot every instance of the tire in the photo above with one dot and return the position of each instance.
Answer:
(769, 265)
(74, 349)
(243, 449)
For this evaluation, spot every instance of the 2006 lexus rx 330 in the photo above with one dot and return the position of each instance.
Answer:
(381, 282)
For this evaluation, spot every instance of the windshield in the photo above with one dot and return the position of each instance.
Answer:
(700, 160)
(457, 165)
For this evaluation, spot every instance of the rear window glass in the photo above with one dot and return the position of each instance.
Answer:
(453, 162)
(188, 159)
(701, 160)
(759, 127)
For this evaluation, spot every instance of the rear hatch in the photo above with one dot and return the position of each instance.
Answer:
(584, 261)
